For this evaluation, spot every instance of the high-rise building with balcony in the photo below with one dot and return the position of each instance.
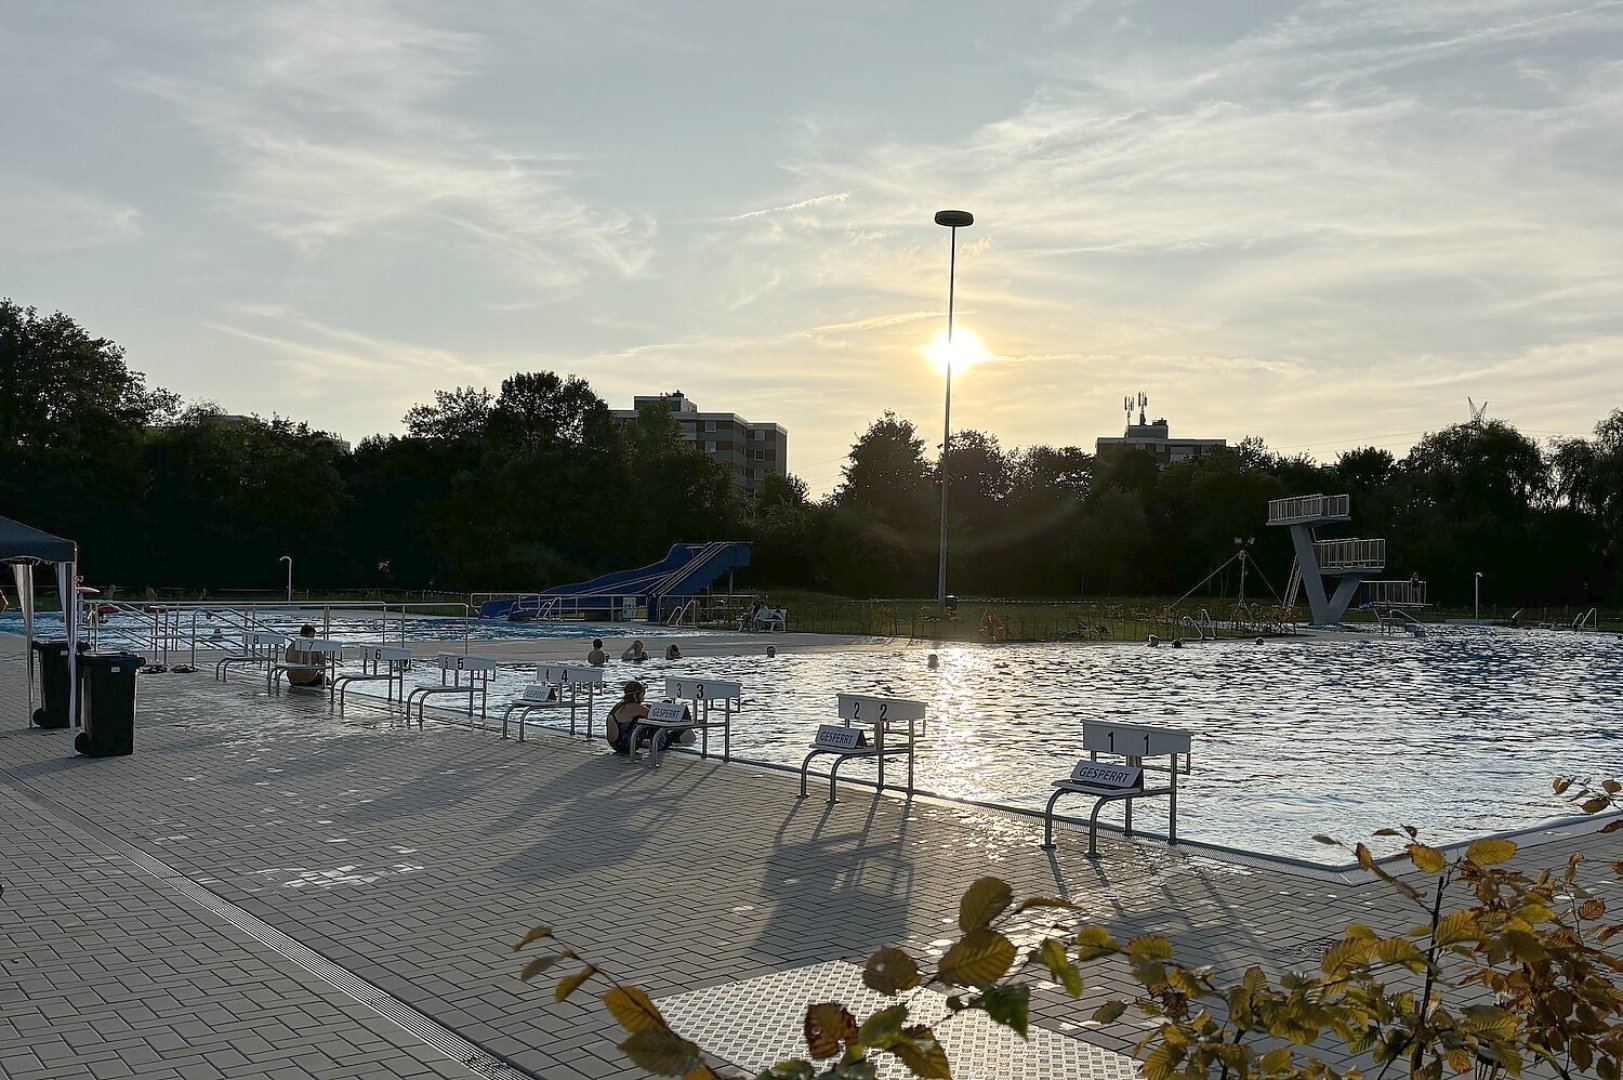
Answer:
(751, 450)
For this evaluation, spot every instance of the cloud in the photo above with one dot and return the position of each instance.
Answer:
(38, 217)
(819, 200)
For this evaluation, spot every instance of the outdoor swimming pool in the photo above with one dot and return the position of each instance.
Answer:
(1458, 733)
(130, 631)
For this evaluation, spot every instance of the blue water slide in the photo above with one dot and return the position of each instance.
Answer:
(685, 571)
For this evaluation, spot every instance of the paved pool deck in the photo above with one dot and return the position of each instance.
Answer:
(271, 889)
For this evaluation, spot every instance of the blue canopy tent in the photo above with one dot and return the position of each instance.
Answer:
(24, 548)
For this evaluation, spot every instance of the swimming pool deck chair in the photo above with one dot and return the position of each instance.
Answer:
(379, 663)
(772, 619)
(258, 647)
(558, 686)
(896, 725)
(453, 666)
(1110, 782)
(323, 658)
(702, 704)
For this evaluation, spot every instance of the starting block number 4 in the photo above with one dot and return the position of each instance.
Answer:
(836, 737)
(1099, 774)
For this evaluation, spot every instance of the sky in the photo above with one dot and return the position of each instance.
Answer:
(1322, 222)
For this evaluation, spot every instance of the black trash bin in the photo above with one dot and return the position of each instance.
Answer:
(53, 683)
(109, 704)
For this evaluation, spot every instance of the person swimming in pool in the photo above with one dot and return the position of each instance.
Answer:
(635, 652)
(597, 657)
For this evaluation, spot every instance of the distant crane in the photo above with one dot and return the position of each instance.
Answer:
(1476, 411)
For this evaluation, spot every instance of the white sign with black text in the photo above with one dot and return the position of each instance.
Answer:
(837, 737)
(668, 712)
(1100, 774)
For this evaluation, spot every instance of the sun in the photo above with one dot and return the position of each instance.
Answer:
(965, 351)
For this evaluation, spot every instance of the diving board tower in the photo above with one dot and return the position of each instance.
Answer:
(1329, 571)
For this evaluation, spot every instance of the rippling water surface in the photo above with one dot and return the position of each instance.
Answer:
(1458, 733)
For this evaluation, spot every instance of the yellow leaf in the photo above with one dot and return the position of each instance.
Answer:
(1399, 951)
(572, 983)
(1490, 852)
(1150, 947)
(1595, 805)
(703, 1072)
(1094, 942)
(1454, 927)
(534, 935)
(922, 1054)
(890, 971)
(632, 1008)
(661, 1051)
(828, 1026)
(980, 959)
(983, 901)
(1345, 954)
(1592, 909)
(1426, 858)
(1279, 1060)
(538, 965)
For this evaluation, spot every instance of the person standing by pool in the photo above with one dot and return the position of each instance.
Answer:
(597, 657)
(635, 653)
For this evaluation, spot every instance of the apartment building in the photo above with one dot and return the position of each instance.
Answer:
(1156, 439)
(753, 451)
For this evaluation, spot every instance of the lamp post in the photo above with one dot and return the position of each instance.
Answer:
(954, 220)
(289, 560)
(1477, 611)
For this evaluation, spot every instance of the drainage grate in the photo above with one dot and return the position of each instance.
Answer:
(477, 1060)
(755, 1024)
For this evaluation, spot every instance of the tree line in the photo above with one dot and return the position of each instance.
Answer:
(538, 484)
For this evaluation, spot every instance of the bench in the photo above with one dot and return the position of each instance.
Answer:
(385, 663)
(1108, 782)
(259, 647)
(558, 686)
(323, 660)
(896, 724)
(694, 707)
(453, 666)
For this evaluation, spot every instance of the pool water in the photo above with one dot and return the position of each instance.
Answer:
(1459, 733)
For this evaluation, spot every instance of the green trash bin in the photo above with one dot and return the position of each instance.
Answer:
(109, 704)
(53, 684)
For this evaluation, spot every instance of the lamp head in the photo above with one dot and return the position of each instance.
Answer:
(956, 219)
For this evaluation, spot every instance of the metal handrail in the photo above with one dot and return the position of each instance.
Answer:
(1309, 506)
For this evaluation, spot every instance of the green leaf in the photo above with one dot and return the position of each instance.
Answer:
(1490, 852)
(1009, 1006)
(661, 1051)
(1052, 953)
(890, 971)
(980, 959)
(1109, 1012)
(921, 1053)
(1428, 859)
(538, 965)
(534, 935)
(572, 983)
(983, 901)
(882, 1027)
(631, 1008)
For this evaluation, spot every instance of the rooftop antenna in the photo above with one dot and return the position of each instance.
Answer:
(1476, 411)
(1143, 400)
(1127, 404)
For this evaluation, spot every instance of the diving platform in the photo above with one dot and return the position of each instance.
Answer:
(1328, 571)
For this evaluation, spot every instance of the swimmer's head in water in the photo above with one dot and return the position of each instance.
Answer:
(597, 643)
(772, 650)
(934, 661)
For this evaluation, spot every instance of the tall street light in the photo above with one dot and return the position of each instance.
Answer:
(1476, 611)
(289, 560)
(954, 220)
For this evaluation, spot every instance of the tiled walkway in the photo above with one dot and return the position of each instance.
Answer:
(415, 859)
